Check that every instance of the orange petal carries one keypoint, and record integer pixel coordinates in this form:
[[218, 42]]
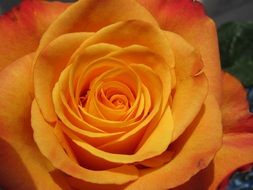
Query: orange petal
[[136, 32], [194, 151], [158, 161], [236, 151], [235, 108], [22, 28], [187, 102], [122, 33], [187, 60], [23, 166], [82, 185], [187, 18], [97, 14], [149, 148], [51, 148], [142, 55], [201, 181], [48, 66]]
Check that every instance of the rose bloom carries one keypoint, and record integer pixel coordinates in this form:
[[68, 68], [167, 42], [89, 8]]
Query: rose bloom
[[117, 94]]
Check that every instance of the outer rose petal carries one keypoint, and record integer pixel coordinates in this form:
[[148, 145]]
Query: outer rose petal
[[187, 18], [22, 28], [237, 147], [236, 151], [22, 165], [235, 108], [92, 15], [194, 151]]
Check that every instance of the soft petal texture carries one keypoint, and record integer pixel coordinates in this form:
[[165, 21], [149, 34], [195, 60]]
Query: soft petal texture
[[188, 19], [21, 29], [52, 60], [22, 165], [235, 107], [51, 148], [194, 148], [158, 161], [82, 185], [192, 85], [187, 102], [92, 15], [235, 152]]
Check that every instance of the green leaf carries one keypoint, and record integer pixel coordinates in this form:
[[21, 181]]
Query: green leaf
[[236, 49]]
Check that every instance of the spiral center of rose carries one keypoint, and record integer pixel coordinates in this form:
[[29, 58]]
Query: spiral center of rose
[[117, 101], [111, 96], [112, 99]]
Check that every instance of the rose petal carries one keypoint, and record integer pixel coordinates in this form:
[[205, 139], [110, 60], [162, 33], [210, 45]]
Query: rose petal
[[48, 66], [86, 68], [51, 148], [235, 152], [155, 129], [82, 185], [235, 108], [195, 150], [202, 180], [149, 148], [187, 102], [142, 55], [121, 34], [22, 28], [187, 18], [22, 164], [96, 14], [158, 161], [191, 88], [188, 61]]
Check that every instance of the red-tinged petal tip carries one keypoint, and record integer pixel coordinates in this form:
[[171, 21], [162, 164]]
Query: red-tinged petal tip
[[188, 19], [23, 26]]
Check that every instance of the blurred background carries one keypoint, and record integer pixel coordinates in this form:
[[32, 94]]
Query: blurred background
[[229, 10], [220, 10]]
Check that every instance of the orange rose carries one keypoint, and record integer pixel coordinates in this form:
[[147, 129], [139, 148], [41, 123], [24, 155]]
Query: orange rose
[[118, 95]]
